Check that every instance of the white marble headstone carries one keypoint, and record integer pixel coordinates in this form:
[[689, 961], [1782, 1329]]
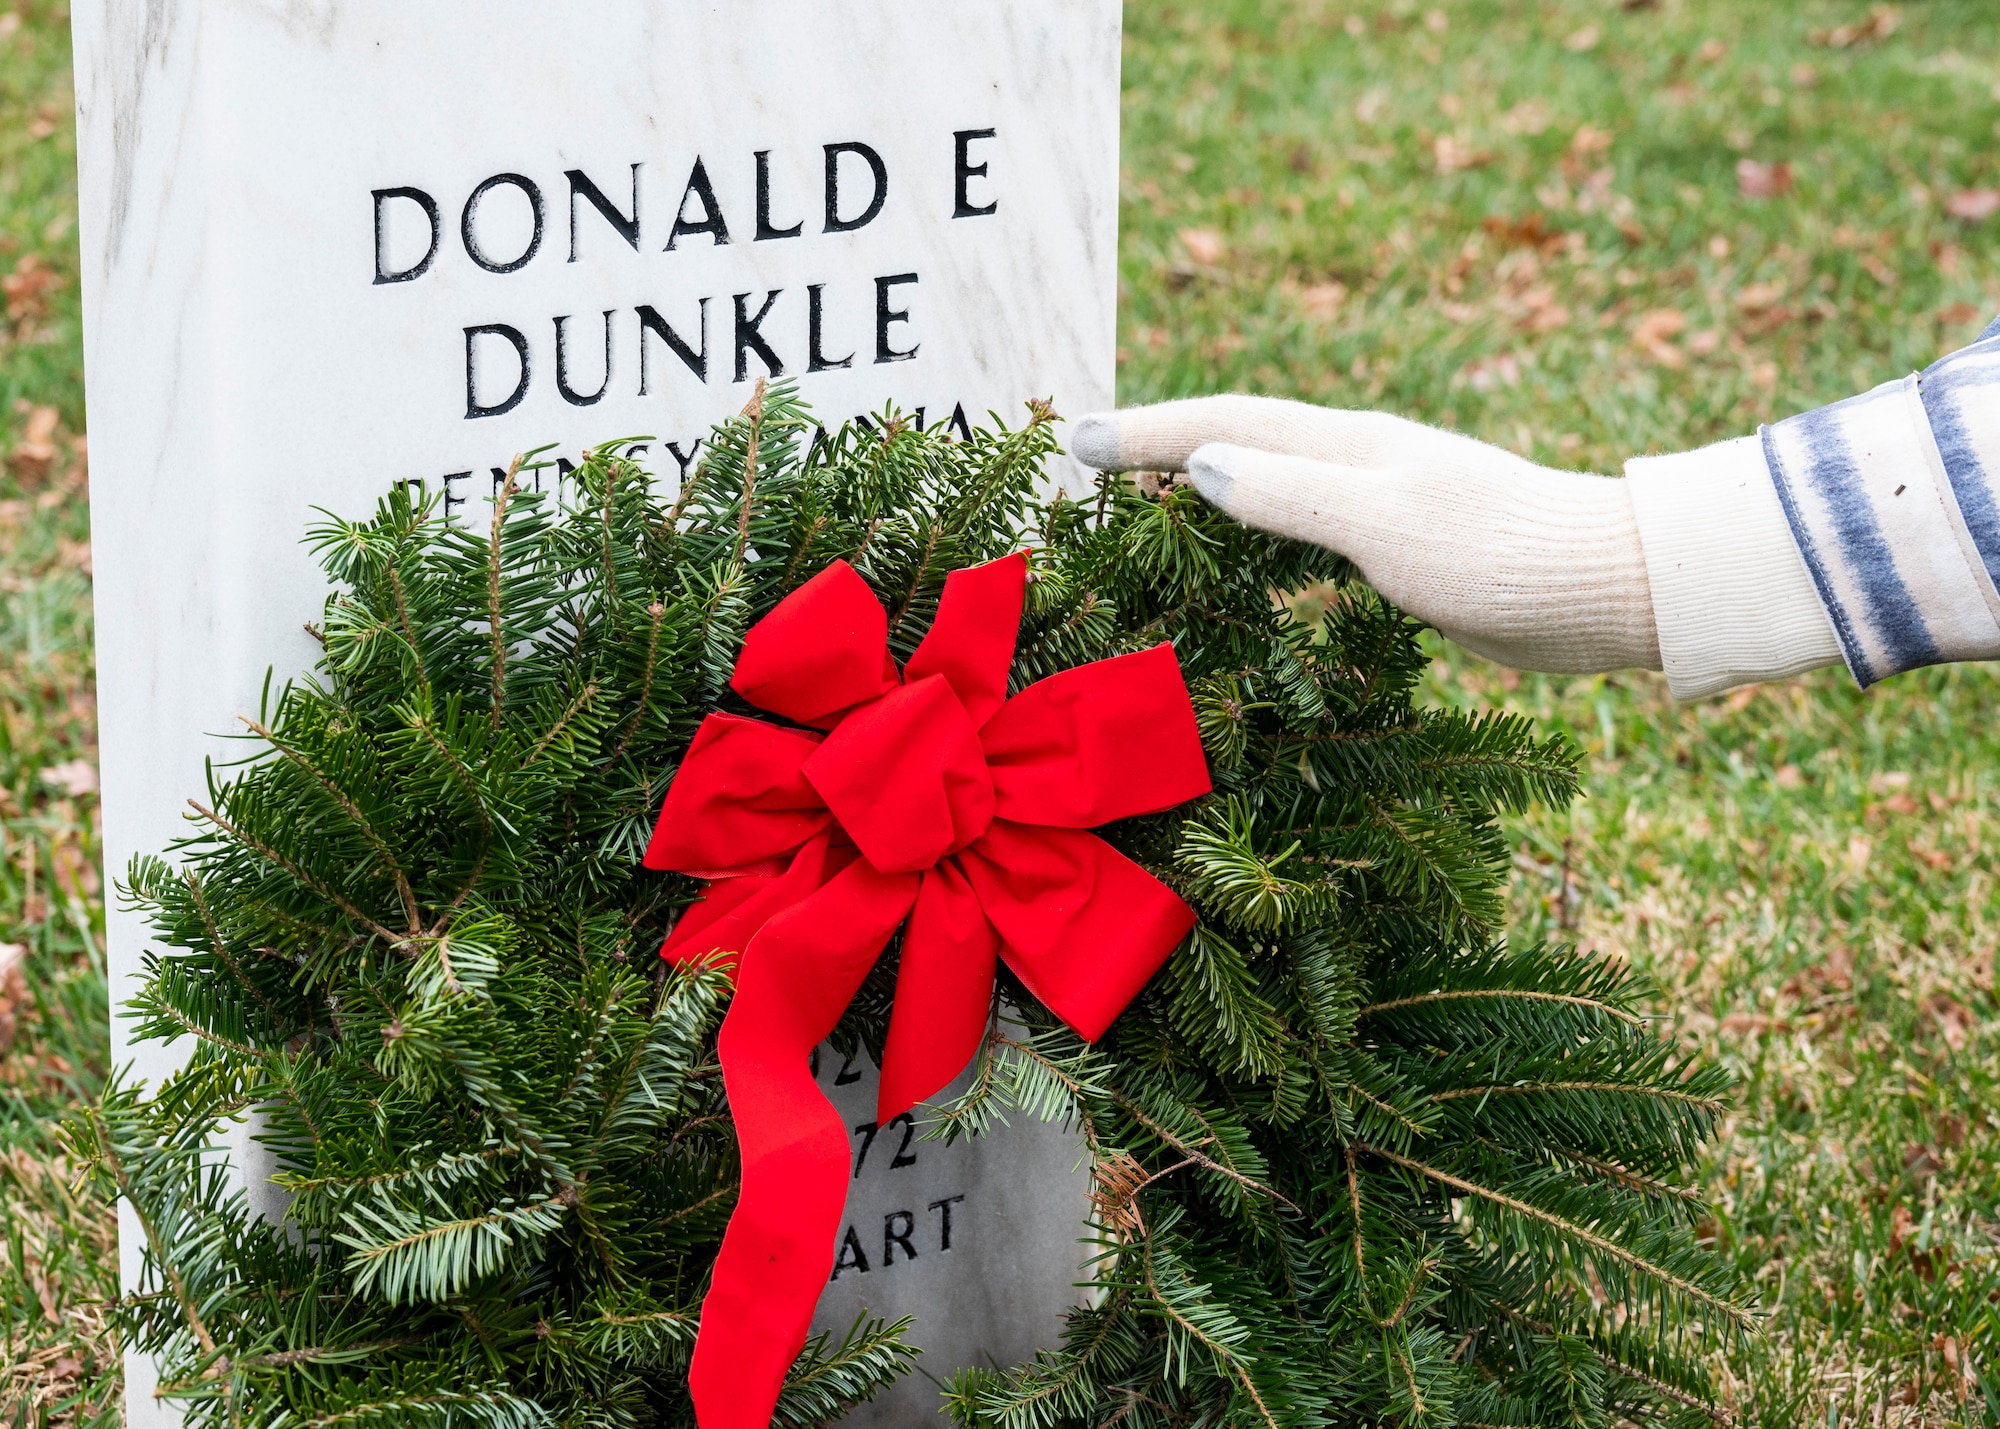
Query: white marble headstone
[[982, 1240], [333, 244]]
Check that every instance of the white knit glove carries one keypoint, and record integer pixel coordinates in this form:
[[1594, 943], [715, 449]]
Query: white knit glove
[[1534, 568]]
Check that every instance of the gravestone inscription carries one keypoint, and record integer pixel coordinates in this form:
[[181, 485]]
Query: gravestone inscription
[[330, 245], [983, 1240]]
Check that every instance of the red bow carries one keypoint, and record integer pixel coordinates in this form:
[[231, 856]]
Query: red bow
[[931, 796]]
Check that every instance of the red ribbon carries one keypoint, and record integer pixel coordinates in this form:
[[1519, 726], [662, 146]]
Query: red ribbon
[[930, 797]]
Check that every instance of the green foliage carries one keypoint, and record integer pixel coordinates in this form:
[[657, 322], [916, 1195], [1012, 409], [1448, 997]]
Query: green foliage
[[1353, 1163]]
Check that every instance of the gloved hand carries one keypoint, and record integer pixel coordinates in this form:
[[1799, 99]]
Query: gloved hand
[[1535, 568]]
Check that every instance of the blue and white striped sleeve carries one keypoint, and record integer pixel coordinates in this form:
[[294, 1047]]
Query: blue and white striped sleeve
[[1890, 503]]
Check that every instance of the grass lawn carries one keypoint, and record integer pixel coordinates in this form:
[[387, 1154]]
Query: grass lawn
[[1579, 228]]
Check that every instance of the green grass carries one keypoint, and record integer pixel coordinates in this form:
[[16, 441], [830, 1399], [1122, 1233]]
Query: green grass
[[1806, 872], [58, 1256]]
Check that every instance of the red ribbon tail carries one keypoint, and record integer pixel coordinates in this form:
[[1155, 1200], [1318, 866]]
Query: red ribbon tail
[[796, 978], [944, 990]]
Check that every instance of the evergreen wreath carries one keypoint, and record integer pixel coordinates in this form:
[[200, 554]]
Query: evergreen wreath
[[1355, 1161]]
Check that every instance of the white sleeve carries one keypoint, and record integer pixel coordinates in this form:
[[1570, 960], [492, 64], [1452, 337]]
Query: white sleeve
[[1732, 598]]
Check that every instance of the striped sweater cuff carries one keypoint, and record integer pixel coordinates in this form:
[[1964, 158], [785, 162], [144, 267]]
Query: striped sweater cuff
[[1881, 516], [1732, 602]]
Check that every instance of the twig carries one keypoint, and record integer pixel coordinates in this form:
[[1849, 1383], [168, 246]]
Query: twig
[[493, 586], [1522, 993], [754, 410]]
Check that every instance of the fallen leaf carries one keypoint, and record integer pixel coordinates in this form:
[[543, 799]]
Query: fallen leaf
[[1584, 39], [1486, 373], [75, 777], [1531, 231], [1804, 76], [1884, 780], [1859, 850], [1530, 116], [1654, 333], [76, 554], [13, 990], [74, 873], [1703, 343], [1756, 179], [1952, 1018], [1881, 23], [1933, 858], [1711, 51], [1204, 245], [1881, 272], [1759, 297], [1436, 21], [1973, 205], [1901, 1224], [35, 449], [27, 290], [1789, 776], [1455, 156], [1322, 301], [1960, 314], [1589, 140]]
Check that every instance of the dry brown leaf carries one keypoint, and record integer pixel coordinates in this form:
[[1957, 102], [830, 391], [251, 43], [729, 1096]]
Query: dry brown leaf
[[1204, 245], [35, 449], [1584, 39], [74, 873], [1654, 333], [1881, 23], [1531, 231], [75, 777], [1321, 302], [1711, 51], [1973, 205], [13, 990], [1938, 861], [27, 290], [1455, 156], [76, 554], [1589, 140], [1789, 776], [1530, 116], [1755, 179], [1486, 373], [1901, 1225], [1759, 297]]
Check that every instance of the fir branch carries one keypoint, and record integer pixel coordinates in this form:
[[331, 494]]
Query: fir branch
[[409, 631], [168, 1266], [1734, 1312], [654, 613], [347, 806], [394, 940]]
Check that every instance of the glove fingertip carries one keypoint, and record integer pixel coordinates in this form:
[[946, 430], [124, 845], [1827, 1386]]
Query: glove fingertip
[[1212, 472], [1094, 441]]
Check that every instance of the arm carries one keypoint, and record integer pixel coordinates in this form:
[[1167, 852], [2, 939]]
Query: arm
[[1867, 531]]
